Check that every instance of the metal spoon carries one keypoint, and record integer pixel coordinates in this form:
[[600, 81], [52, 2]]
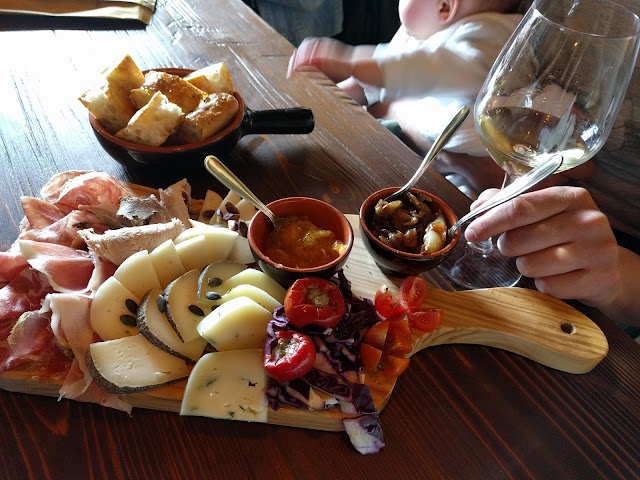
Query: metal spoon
[[219, 170], [440, 142], [519, 185]]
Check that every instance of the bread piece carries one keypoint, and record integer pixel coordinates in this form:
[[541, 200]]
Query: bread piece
[[212, 117], [108, 101], [212, 79], [153, 123], [177, 90]]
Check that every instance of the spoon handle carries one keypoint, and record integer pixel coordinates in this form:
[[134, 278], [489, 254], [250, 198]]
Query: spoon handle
[[519, 185], [229, 180], [438, 145]]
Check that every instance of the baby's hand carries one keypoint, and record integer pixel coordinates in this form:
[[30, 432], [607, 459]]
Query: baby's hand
[[332, 57]]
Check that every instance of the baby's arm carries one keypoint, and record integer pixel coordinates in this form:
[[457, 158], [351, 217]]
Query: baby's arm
[[564, 242], [337, 60]]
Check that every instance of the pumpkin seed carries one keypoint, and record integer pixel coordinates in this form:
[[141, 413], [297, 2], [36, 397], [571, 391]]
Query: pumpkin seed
[[214, 281], [162, 303], [196, 310], [213, 296], [131, 305], [128, 320]]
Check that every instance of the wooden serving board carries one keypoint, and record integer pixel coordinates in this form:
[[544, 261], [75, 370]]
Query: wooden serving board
[[526, 322]]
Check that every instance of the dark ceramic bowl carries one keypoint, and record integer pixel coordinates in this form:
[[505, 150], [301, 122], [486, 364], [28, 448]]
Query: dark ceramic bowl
[[320, 214], [246, 121], [396, 262]]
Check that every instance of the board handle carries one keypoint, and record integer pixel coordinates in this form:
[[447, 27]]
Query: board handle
[[519, 320]]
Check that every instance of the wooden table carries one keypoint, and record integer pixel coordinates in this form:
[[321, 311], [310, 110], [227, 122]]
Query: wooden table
[[458, 412]]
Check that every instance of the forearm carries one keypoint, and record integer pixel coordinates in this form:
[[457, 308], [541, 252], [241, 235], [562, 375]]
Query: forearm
[[625, 307]]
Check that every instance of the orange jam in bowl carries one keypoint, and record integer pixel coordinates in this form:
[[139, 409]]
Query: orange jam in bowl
[[299, 243]]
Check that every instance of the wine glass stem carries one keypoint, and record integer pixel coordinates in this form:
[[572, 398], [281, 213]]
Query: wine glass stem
[[485, 247]]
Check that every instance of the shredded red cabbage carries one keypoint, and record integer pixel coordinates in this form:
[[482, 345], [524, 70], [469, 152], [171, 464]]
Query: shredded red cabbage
[[337, 361]]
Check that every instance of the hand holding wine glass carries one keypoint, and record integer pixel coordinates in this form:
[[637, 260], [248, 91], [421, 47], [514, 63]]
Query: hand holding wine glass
[[556, 87]]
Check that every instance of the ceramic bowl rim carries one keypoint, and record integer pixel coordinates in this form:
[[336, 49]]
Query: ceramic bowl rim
[[382, 193], [309, 270]]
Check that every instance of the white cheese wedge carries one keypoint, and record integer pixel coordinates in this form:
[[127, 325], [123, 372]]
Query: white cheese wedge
[[246, 210], [182, 307], [166, 262], [218, 241], [259, 296], [241, 251], [227, 385], [237, 324], [155, 327], [258, 279], [214, 274], [109, 308], [132, 364], [209, 206], [137, 274]]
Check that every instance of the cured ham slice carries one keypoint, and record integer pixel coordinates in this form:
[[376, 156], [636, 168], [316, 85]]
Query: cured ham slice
[[73, 189], [11, 263], [64, 231], [67, 269], [23, 294], [40, 214], [32, 347], [118, 245], [103, 270]]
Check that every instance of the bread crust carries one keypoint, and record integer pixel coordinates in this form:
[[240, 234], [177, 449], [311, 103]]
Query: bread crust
[[187, 96], [210, 118]]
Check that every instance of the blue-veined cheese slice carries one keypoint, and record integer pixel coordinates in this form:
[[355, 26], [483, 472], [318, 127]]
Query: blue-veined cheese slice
[[228, 385]]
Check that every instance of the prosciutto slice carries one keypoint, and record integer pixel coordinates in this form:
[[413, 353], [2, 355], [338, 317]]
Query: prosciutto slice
[[31, 346], [67, 269], [11, 263], [75, 188], [40, 214], [23, 294], [64, 231]]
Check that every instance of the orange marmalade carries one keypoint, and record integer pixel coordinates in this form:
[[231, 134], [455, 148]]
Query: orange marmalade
[[298, 243]]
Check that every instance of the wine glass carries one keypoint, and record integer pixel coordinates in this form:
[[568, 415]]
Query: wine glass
[[556, 87]]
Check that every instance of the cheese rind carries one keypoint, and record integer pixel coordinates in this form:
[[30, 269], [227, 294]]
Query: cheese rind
[[228, 385]]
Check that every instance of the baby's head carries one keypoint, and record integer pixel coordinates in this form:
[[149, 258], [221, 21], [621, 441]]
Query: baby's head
[[423, 18]]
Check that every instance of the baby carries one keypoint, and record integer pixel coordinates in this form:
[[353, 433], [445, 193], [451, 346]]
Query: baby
[[435, 63]]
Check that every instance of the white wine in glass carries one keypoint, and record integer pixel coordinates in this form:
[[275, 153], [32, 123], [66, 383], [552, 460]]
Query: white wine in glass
[[556, 88]]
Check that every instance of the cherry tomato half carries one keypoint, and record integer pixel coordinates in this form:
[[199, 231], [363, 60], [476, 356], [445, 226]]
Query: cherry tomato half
[[425, 319], [314, 301], [412, 293], [376, 336], [386, 303], [398, 341], [292, 357], [370, 357], [393, 366]]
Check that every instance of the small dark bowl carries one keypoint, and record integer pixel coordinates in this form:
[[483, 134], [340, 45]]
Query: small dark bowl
[[396, 262], [320, 214]]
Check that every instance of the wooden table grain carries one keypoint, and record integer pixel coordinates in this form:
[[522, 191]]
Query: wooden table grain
[[458, 412]]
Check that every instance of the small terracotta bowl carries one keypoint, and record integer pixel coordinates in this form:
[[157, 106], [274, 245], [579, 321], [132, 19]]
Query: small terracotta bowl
[[173, 154], [321, 214], [396, 262]]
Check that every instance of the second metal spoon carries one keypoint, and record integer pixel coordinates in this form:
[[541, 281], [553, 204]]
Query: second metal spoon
[[225, 176], [519, 185], [440, 142]]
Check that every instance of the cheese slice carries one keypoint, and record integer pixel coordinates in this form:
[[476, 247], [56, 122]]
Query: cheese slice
[[228, 385], [132, 364], [237, 324], [166, 262], [110, 315], [137, 274], [258, 279]]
